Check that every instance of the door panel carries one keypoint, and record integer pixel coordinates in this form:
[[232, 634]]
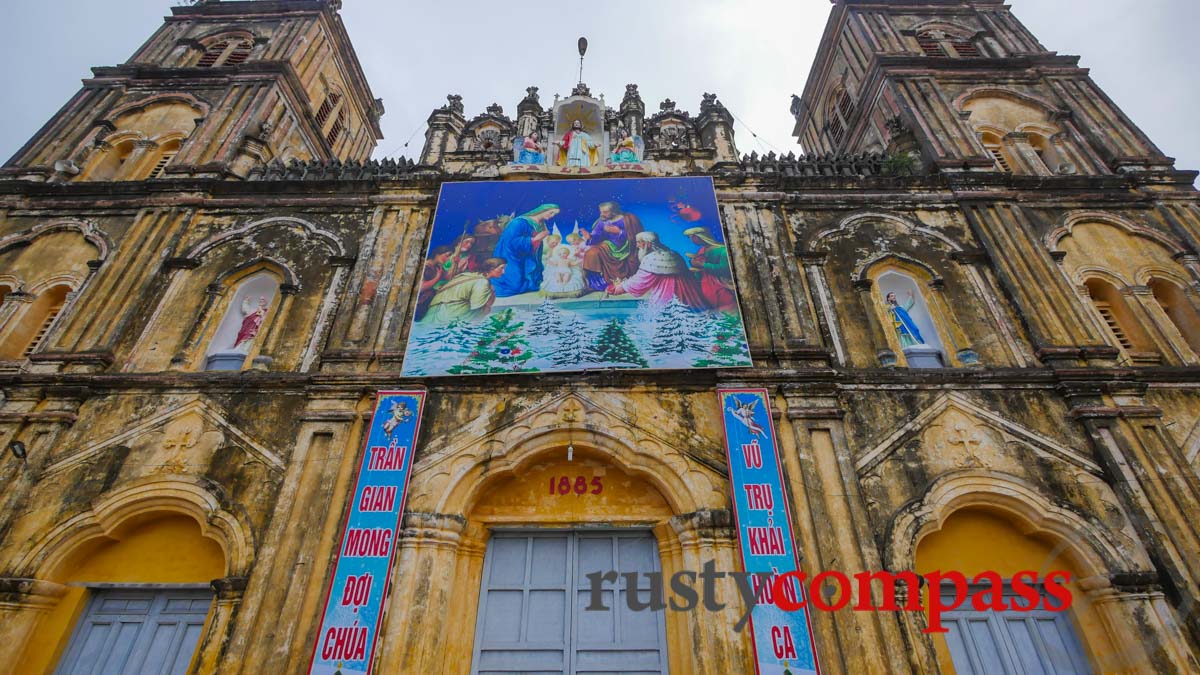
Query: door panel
[[1038, 642], [532, 616], [127, 632]]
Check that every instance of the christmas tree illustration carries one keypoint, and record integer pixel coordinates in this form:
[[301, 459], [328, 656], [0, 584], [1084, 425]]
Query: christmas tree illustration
[[678, 329], [547, 320], [501, 348], [729, 344], [613, 345], [432, 347], [573, 350]]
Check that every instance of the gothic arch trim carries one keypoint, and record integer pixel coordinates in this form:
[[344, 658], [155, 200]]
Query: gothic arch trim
[[174, 97], [260, 264], [1088, 545], [850, 222], [864, 269], [979, 92], [1088, 272], [1148, 273], [956, 30], [170, 494], [71, 281], [94, 235], [226, 32], [331, 241], [1055, 236], [465, 488]]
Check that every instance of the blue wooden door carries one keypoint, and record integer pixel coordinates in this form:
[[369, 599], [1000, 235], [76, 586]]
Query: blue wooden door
[[136, 631], [1038, 642], [532, 600]]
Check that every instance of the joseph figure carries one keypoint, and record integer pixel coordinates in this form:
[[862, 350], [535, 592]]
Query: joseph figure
[[611, 255]]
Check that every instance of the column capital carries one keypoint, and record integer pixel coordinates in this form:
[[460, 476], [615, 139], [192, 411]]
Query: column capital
[[33, 593], [229, 588]]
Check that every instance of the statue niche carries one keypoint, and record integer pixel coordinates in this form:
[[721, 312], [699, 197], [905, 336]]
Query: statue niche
[[579, 136]]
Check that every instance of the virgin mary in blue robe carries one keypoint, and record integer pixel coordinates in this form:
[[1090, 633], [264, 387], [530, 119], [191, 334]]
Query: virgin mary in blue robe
[[517, 245]]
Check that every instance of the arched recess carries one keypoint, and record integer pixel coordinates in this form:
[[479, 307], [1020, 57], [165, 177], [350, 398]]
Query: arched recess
[[54, 263], [132, 142], [918, 325], [197, 293], [1111, 261], [154, 532], [249, 303], [853, 222], [330, 241], [457, 500], [1025, 134], [965, 514]]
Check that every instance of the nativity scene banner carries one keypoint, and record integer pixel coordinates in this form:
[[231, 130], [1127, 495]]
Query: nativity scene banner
[[570, 275]]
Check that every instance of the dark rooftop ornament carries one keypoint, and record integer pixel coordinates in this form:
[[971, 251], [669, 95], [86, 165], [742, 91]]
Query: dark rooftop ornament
[[582, 51]]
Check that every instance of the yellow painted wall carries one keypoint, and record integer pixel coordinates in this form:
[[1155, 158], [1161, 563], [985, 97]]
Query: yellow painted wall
[[972, 541], [167, 550]]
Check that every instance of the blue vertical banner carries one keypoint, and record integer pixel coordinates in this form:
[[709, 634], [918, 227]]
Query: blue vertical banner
[[783, 641], [354, 604]]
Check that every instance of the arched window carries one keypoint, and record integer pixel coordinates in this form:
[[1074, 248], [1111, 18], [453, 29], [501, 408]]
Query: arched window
[[907, 314], [112, 164], [931, 43], [995, 148], [32, 325], [939, 43], [965, 48], [839, 114], [228, 51], [1117, 317], [166, 152], [245, 318], [331, 117], [1179, 309]]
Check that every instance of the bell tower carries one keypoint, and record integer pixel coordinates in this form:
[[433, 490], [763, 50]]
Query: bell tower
[[221, 88], [972, 85]]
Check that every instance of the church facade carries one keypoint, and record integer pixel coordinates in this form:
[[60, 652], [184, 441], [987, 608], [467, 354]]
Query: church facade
[[971, 306]]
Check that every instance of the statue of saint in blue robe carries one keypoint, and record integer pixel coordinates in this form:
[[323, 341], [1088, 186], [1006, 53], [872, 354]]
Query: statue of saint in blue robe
[[523, 273], [903, 322]]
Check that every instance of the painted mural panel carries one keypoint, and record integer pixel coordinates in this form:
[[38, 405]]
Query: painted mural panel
[[568, 275]]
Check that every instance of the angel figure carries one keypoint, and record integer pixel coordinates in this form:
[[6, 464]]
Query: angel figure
[[400, 415], [744, 412]]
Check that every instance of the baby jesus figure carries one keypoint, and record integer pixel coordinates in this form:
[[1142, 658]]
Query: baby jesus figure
[[563, 277]]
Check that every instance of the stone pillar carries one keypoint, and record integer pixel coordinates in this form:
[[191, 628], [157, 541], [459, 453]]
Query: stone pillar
[[419, 634], [279, 322], [183, 357], [717, 649], [228, 592], [1125, 601], [446, 125], [814, 264], [944, 319], [1020, 148], [1158, 325], [278, 627], [715, 124], [825, 489], [883, 349], [1129, 441], [633, 110], [23, 603]]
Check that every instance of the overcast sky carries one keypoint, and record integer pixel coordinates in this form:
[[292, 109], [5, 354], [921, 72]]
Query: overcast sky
[[753, 53]]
